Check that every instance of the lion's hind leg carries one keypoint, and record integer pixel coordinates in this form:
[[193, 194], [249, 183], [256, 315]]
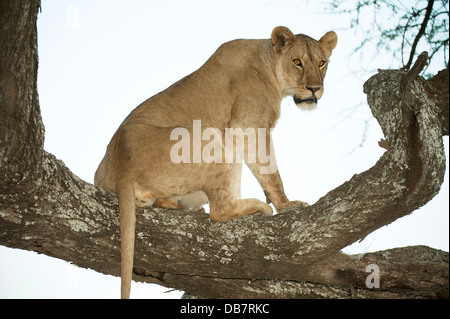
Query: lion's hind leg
[[224, 207], [191, 201], [167, 202]]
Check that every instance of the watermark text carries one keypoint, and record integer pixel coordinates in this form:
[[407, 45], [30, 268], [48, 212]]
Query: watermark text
[[229, 146]]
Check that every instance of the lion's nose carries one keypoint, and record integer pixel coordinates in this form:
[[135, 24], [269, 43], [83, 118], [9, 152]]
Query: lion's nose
[[313, 89]]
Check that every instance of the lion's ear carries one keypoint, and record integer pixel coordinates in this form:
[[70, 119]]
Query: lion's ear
[[328, 42], [281, 37]]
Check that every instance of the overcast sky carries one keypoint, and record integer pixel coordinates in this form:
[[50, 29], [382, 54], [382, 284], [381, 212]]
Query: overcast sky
[[98, 60]]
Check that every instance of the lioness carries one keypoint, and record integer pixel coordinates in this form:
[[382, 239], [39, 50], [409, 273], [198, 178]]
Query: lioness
[[240, 86]]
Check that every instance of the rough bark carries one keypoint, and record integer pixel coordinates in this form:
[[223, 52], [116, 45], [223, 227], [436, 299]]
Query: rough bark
[[45, 208], [20, 115]]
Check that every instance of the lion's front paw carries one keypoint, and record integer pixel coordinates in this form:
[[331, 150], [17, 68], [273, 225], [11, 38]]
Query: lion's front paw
[[291, 205]]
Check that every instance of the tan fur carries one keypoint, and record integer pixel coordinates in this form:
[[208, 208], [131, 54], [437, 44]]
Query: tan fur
[[240, 86]]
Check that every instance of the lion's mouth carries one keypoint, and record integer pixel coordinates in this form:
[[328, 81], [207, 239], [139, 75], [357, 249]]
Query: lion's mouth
[[311, 99]]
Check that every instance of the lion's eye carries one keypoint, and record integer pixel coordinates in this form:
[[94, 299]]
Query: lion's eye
[[322, 63], [297, 62]]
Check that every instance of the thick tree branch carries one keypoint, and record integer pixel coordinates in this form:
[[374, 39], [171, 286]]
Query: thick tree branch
[[294, 254], [20, 116], [437, 89]]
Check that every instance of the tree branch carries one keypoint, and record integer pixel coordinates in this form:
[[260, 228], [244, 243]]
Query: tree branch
[[20, 115], [421, 32]]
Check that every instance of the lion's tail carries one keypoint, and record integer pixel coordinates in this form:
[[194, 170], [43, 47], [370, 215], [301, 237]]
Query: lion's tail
[[127, 210]]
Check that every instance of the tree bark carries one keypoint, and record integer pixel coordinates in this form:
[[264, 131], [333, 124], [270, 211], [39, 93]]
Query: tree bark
[[20, 115], [45, 208]]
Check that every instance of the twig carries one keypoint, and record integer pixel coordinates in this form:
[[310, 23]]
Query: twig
[[408, 77], [421, 62], [420, 34]]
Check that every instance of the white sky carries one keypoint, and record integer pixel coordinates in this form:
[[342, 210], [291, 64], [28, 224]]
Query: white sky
[[98, 60]]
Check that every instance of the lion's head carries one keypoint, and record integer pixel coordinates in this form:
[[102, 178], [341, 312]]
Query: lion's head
[[302, 64]]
